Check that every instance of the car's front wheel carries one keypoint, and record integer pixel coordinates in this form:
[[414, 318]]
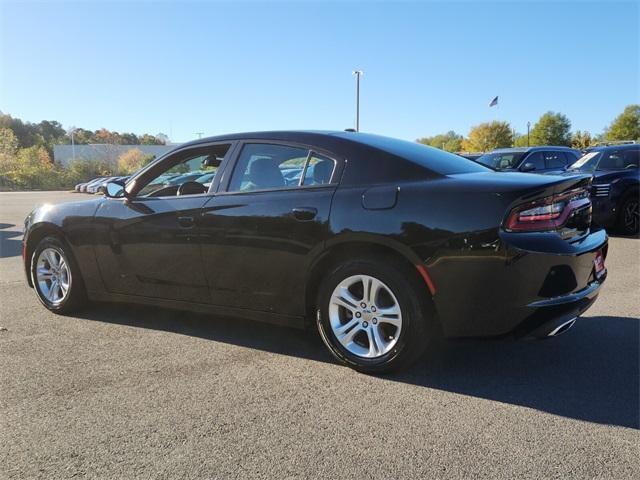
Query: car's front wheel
[[629, 220], [55, 276], [371, 316]]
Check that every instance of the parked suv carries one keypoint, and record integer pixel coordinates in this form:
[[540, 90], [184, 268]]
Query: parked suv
[[530, 159], [614, 191]]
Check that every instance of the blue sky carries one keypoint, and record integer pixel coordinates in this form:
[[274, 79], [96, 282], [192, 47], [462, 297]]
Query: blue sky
[[213, 67]]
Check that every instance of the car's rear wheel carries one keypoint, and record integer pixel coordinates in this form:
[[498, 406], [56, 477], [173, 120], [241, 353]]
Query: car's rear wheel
[[371, 316], [629, 219], [56, 278]]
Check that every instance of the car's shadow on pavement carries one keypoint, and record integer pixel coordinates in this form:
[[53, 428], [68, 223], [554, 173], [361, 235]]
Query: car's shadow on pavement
[[591, 373], [10, 241]]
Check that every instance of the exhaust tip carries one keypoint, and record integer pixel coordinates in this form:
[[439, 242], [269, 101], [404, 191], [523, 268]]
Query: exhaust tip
[[563, 327]]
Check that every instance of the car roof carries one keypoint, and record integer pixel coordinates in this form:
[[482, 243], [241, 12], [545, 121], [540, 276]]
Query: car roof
[[625, 146], [531, 149], [396, 159]]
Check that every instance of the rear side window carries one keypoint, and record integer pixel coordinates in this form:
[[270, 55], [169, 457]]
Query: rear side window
[[274, 167], [555, 159]]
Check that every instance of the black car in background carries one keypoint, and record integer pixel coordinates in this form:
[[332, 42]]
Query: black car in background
[[615, 189], [545, 159], [382, 244]]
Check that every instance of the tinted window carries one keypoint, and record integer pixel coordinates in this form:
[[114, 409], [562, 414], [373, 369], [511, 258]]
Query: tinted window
[[319, 170], [436, 160], [631, 157], [618, 159], [555, 159], [537, 159], [501, 160], [267, 167], [195, 165]]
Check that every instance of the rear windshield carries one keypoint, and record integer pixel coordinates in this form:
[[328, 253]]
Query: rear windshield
[[439, 161]]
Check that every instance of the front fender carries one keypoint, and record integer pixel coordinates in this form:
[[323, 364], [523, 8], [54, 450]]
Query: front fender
[[74, 224]]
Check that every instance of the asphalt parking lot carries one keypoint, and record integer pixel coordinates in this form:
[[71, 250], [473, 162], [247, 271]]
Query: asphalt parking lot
[[124, 392]]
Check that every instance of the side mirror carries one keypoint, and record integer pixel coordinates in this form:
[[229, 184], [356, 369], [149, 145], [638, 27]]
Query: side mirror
[[115, 189], [528, 167]]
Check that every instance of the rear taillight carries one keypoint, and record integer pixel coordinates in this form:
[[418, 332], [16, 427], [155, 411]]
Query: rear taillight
[[549, 213]]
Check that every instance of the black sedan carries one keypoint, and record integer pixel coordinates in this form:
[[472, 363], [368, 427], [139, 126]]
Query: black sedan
[[385, 246]]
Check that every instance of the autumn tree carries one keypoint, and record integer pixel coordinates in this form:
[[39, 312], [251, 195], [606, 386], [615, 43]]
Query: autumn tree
[[147, 139], [33, 168], [551, 129], [581, 140], [8, 150], [488, 136], [626, 126], [132, 161]]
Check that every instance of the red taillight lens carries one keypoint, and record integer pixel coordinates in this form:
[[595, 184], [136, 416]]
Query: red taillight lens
[[547, 213]]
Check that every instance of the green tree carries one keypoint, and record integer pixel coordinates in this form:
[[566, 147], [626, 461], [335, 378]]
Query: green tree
[[521, 140], [487, 136], [581, 140], [450, 141], [626, 126], [551, 129]]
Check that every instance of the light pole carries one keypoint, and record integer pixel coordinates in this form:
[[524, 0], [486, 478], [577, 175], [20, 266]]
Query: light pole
[[528, 128], [71, 132], [199, 134], [357, 73]]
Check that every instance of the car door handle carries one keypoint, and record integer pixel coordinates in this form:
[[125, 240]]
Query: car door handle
[[186, 222], [304, 214]]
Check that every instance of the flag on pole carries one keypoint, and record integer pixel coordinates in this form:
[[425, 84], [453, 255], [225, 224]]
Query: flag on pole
[[493, 102]]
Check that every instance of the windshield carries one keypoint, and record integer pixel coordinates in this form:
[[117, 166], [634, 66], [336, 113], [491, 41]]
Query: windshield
[[607, 160], [586, 163], [501, 160]]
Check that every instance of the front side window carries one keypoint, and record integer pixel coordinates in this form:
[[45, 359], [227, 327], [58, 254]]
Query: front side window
[[189, 172], [536, 160], [619, 160], [271, 167], [501, 160]]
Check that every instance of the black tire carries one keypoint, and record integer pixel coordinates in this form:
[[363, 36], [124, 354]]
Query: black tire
[[418, 322], [75, 296], [628, 220]]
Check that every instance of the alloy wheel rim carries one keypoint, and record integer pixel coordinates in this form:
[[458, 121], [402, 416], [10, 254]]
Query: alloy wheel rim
[[53, 275], [365, 316], [631, 216]]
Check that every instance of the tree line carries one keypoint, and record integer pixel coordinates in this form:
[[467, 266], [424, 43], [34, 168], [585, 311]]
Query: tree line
[[26, 154], [551, 129], [48, 133]]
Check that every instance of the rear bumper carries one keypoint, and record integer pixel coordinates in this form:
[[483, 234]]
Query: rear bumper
[[552, 316], [528, 284], [604, 212]]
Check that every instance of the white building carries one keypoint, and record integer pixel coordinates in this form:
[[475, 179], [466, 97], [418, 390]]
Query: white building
[[64, 154]]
